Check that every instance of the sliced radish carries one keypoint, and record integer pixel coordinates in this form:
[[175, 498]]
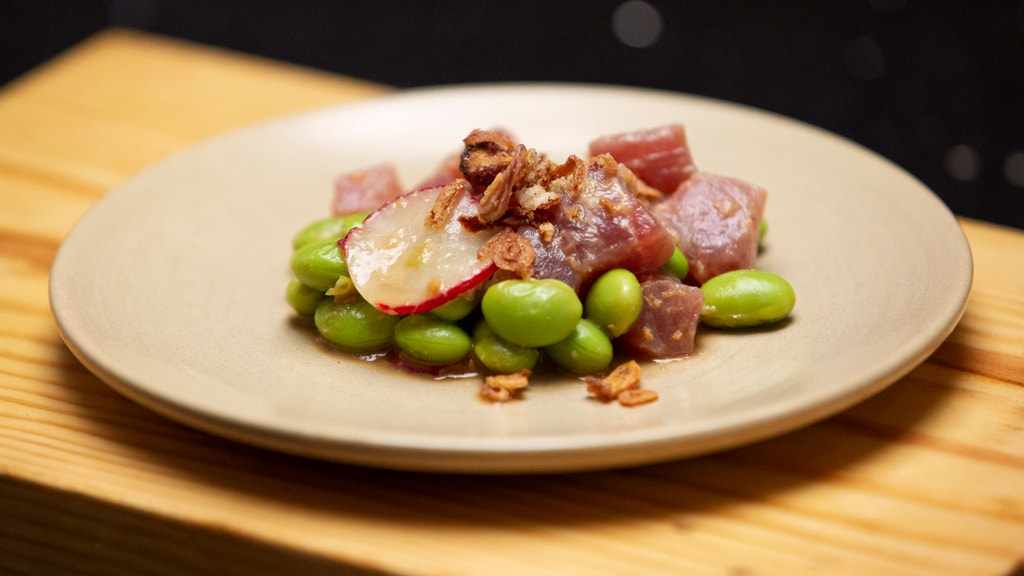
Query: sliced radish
[[401, 266]]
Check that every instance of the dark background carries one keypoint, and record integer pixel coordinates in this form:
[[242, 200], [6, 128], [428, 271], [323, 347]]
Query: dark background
[[937, 86]]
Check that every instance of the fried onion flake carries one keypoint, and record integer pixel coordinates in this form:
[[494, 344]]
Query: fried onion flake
[[622, 384], [444, 206], [499, 388], [511, 252]]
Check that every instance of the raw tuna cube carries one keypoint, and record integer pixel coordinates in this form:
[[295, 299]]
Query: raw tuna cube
[[658, 156], [668, 321], [716, 220], [599, 224], [365, 190]]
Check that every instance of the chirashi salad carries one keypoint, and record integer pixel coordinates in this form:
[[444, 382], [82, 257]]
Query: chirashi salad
[[506, 262]]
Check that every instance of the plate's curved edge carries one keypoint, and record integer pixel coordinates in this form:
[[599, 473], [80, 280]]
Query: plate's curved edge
[[745, 431], [489, 461], [513, 461]]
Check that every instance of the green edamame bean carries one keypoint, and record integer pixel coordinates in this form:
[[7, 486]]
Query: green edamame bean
[[586, 350], [742, 298], [763, 230], [318, 265], [431, 340], [531, 312], [302, 298], [499, 355], [678, 265], [456, 309], [614, 301], [355, 325], [334, 228]]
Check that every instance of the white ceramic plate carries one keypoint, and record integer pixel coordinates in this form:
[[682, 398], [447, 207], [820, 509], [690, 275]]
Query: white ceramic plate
[[171, 288]]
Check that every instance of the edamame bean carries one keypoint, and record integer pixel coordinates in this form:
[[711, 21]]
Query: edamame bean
[[355, 325], [499, 355], [614, 301], [302, 298], [318, 265], [456, 309], [333, 228], [742, 298], [678, 265], [586, 350], [531, 312], [431, 340]]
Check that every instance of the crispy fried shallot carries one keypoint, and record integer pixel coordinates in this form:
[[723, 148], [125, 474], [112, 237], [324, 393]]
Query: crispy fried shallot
[[445, 204], [495, 200], [620, 384], [508, 177], [504, 387], [486, 154], [637, 396], [511, 252]]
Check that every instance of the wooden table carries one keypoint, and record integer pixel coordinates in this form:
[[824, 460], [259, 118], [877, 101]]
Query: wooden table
[[925, 478]]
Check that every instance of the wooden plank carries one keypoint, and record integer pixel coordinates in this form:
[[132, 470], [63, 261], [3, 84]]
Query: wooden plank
[[924, 478]]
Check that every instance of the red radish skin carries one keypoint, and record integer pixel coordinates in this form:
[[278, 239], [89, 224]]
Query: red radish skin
[[403, 267]]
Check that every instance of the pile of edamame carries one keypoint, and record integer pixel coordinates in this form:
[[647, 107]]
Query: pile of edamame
[[514, 323]]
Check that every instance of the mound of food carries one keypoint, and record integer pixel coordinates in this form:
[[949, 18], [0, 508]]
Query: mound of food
[[505, 262]]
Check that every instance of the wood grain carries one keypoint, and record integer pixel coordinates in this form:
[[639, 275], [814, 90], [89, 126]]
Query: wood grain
[[925, 478]]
